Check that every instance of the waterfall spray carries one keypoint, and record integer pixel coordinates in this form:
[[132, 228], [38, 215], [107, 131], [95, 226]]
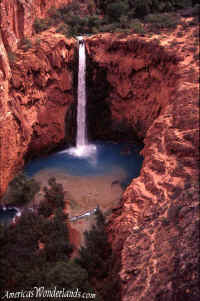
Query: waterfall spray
[[83, 148], [81, 138]]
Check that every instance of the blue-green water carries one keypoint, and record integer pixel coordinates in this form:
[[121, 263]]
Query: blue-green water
[[101, 161], [87, 174]]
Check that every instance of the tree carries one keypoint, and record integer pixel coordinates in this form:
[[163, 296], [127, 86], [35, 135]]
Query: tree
[[20, 252], [45, 208], [97, 248], [22, 189], [62, 274], [55, 237], [19, 247], [54, 194], [67, 274], [116, 10]]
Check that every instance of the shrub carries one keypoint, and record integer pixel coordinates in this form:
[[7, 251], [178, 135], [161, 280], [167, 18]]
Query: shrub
[[195, 12], [159, 21], [45, 209], [73, 7], [142, 8], [67, 274], [97, 248], [124, 21], [109, 27], [75, 20], [11, 57], [55, 236], [118, 16], [22, 242], [54, 194], [137, 27], [91, 7], [41, 25], [181, 3], [116, 10], [64, 29], [22, 189], [37, 42], [26, 44], [55, 13], [93, 21], [94, 30]]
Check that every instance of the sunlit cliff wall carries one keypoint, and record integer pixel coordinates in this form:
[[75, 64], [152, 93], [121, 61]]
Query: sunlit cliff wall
[[152, 91]]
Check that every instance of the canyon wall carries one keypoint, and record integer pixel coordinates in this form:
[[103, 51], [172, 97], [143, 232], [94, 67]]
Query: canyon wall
[[34, 84], [137, 88], [17, 18], [130, 84], [36, 97], [151, 90]]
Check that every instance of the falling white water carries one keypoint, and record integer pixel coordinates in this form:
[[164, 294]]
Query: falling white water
[[81, 138], [82, 149]]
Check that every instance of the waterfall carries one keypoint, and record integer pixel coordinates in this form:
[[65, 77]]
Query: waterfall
[[81, 138], [83, 148]]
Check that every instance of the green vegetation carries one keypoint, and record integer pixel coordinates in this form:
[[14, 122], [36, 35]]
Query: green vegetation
[[53, 198], [32, 251], [21, 190], [36, 251], [96, 257], [25, 44], [137, 26], [11, 57], [96, 254], [41, 25], [54, 194], [67, 274], [159, 21], [116, 10], [114, 16], [141, 8]]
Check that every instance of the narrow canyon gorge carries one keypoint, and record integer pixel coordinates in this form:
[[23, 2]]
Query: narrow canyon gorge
[[141, 89]]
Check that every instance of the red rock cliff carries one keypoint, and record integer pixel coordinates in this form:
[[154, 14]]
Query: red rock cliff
[[141, 77], [155, 230], [39, 84], [34, 98], [17, 18]]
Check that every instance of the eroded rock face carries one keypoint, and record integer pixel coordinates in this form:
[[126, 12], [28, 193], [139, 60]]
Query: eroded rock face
[[155, 230], [130, 84], [33, 93], [35, 100], [146, 91], [17, 18]]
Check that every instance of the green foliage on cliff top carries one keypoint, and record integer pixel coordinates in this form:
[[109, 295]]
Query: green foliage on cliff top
[[113, 16], [140, 8], [159, 21]]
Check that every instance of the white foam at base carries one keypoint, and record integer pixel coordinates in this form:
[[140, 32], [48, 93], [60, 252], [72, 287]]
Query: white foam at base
[[82, 151]]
